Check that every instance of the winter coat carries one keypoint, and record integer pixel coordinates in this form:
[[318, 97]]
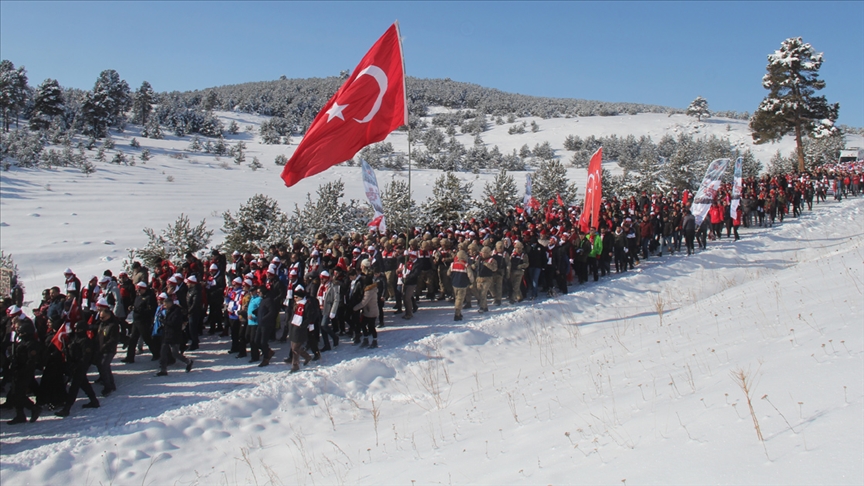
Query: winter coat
[[331, 301], [252, 310], [268, 311], [194, 302], [536, 256], [688, 224], [716, 214], [144, 309], [369, 304], [111, 292], [141, 274], [79, 353], [172, 326], [596, 247], [461, 274], [109, 334], [299, 332], [561, 259]]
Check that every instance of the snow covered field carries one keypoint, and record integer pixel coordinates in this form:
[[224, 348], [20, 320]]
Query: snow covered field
[[625, 381]]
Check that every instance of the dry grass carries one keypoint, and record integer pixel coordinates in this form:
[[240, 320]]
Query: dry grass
[[745, 382]]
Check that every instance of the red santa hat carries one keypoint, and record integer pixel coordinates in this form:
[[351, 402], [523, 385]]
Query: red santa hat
[[142, 285], [192, 278], [103, 303], [13, 311]]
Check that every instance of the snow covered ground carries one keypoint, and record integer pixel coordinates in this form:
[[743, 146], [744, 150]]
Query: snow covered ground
[[624, 381]]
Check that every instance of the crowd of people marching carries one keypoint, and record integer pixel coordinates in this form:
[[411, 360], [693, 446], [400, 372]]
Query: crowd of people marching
[[315, 294]]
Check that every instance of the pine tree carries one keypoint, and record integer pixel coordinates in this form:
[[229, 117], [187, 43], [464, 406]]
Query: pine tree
[[328, 214], [255, 164], [780, 165], [152, 129], [698, 108], [450, 199], [682, 169], [281, 160], [544, 151], [550, 180], [750, 167], [47, 104], [195, 144], [505, 193], [257, 224], [791, 104], [142, 104], [823, 150], [106, 104], [233, 128], [174, 242], [13, 91], [400, 210], [572, 143]]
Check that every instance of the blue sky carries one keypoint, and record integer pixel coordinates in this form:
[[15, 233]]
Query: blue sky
[[664, 53]]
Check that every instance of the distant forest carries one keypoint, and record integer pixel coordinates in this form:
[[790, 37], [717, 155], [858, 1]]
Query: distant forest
[[299, 100]]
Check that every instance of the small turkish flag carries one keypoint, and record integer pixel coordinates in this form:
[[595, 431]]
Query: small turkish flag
[[369, 106], [492, 198]]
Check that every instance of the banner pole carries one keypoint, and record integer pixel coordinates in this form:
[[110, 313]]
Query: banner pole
[[407, 120]]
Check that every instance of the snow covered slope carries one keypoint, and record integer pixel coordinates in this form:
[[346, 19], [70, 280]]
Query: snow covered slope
[[628, 380]]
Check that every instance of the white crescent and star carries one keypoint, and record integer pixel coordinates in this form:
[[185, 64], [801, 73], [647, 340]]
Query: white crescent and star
[[335, 111]]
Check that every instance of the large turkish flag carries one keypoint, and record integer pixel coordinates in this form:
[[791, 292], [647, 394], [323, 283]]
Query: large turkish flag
[[369, 106], [593, 193]]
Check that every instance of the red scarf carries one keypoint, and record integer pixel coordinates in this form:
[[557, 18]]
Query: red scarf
[[298, 312]]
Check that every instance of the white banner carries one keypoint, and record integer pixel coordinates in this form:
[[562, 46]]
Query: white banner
[[370, 184], [708, 189], [737, 187]]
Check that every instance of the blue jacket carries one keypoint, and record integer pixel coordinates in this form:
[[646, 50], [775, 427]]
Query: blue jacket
[[252, 311]]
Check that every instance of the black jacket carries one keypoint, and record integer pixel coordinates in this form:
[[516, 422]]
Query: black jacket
[[144, 309], [172, 332]]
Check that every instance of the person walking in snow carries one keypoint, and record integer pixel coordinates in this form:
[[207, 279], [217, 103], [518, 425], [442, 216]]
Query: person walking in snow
[[79, 351], [461, 276], [329, 298], [368, 307], [306, 312], [26, 355], [143, 311], [688, 227], [108, 334], [172, 335]]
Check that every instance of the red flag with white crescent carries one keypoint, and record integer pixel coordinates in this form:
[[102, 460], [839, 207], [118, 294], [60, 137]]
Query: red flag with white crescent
[[593, 193], [369, 106], [61, 336]]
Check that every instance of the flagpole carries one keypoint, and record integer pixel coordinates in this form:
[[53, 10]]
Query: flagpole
[[405, 93]]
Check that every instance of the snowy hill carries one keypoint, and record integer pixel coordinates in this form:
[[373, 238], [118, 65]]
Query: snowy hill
[[624, 381]]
